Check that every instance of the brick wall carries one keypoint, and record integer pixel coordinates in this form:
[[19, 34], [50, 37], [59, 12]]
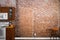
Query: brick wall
[[8, 3], [34, 16]]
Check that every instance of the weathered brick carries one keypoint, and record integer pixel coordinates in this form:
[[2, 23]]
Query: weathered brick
[[34, 16], [37, 16]]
